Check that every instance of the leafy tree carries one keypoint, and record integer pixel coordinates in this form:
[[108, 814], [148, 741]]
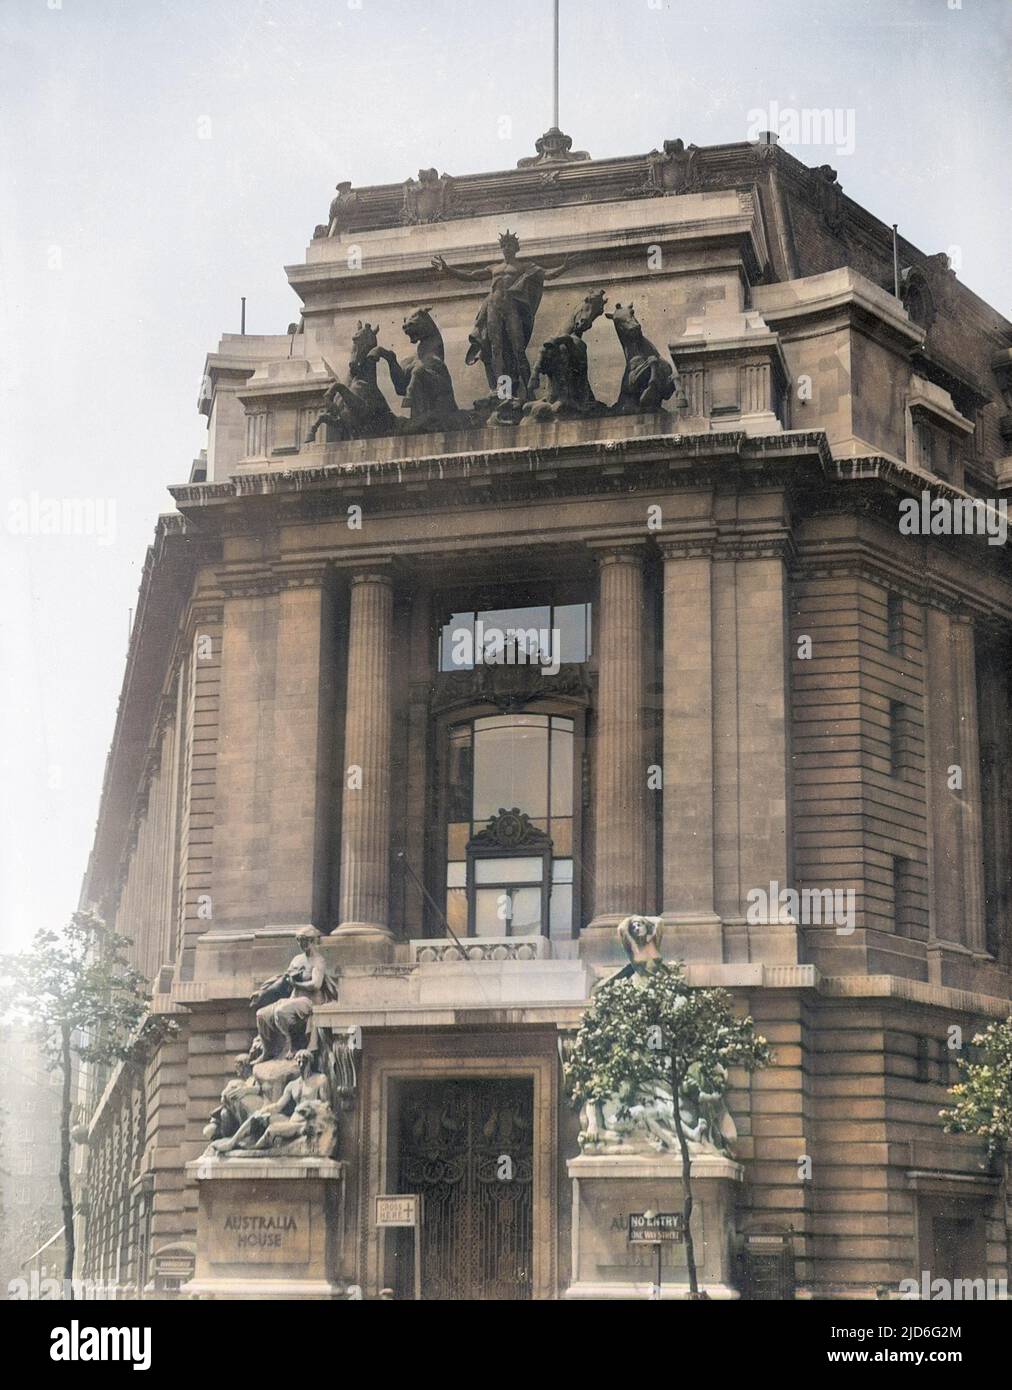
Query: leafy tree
[[983, 1099], [81, 996], [652, 1027]]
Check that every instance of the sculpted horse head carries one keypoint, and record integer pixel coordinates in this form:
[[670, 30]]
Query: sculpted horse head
[[592, 308], [363, 340]]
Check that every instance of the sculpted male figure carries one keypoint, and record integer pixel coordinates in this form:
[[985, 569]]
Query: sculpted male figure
[[284, 1005], [240, 1099], [505, 319], [303, 1117]]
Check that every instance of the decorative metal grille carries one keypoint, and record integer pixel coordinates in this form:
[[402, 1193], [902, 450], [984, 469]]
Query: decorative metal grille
[[467, 1146]]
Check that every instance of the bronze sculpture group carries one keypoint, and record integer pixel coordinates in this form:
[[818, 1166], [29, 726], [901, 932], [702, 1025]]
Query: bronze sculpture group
[[559, 384]]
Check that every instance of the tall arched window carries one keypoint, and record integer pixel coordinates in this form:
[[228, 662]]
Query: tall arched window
[[509, 825]]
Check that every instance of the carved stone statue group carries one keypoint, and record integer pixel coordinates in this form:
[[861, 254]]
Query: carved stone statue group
[[643, 1118], [559, 384], [284, 1096]]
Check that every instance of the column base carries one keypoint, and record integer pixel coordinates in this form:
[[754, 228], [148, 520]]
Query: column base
[[375, 931], [606, 922]]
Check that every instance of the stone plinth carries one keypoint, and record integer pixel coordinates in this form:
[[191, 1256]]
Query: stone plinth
[[608, 1187], [268, 1228]]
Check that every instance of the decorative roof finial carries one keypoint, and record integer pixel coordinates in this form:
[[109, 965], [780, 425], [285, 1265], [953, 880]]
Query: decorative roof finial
[[553, 147]]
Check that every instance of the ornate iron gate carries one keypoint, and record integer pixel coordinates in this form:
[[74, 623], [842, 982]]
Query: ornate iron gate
[[467, 1146]]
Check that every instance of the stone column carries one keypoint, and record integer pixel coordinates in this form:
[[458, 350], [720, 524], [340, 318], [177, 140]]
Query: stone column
[[688, 763], [365, 820], [941, 742], [995, 796], [620, 829], [762, 738], [295, 891], [971, 839]]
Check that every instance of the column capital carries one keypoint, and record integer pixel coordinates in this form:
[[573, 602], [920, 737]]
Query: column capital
[[372, 574], [619, 550]]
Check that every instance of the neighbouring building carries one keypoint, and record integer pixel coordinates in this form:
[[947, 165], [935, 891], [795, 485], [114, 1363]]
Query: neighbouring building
[[31, 1218], [738, 675]]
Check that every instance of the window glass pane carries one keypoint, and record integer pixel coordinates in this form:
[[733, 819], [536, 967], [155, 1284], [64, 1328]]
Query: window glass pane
[[456, 910], [526, 912], [456, 875], [457, 836], [561, 910], [562, 871], [510, 766], [572, 621], [458, 791], [489, 916], [520, 632], [456, 648], [562, 835], [562, 770], [512, 870]]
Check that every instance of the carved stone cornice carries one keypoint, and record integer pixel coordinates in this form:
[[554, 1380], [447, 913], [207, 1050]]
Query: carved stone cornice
[[776, 546], [929, 591], [505, 470], [254, 581], [688, 545], [203, 613]]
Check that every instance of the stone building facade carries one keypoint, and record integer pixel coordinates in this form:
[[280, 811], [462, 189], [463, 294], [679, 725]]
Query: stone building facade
[[760, 682]]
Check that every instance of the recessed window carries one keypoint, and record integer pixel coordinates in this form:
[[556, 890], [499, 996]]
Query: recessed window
[[895, 634], [901, 762], [925, 437], [509, 832]]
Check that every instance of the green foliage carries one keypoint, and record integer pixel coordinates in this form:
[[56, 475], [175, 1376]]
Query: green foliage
[[77, 982], [983, 1099], [652, 1027]]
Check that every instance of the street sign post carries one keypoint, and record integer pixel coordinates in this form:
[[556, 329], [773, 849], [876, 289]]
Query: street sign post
[[656, 1228], [394, 1211]]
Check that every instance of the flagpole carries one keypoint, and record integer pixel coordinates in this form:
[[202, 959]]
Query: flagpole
[[555, 71]]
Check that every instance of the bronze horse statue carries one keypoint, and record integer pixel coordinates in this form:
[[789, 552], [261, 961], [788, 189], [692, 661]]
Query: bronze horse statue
[[562, 364], [648, 380], [358, 409]]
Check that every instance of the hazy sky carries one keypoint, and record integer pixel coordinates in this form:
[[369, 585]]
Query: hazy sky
[[161, 158]]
